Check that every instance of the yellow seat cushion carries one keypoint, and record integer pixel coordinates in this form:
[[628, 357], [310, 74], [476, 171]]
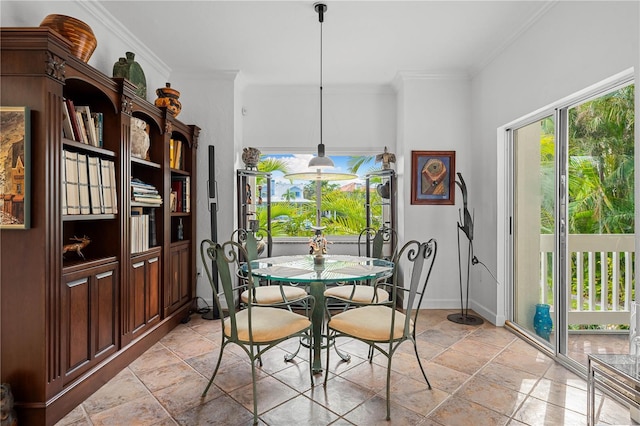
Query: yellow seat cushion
[[268, 324], [357, 293], [371, 322], [270, 294]]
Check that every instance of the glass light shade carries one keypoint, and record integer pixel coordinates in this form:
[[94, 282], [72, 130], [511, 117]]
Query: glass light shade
[[320, 162]]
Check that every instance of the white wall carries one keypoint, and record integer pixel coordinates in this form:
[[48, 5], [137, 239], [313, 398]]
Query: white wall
[[572, 46], [356, 119], [434, 115], [211, 101]]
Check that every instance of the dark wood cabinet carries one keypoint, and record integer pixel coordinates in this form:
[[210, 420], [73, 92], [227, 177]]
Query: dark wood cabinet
[[70, 322], [178, 292], [89, 316], [145, 290]]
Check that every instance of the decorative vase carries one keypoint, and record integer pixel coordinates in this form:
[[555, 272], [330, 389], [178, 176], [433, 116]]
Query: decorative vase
[[83, 41], [383, 190], [131, 70], [542, 322], [168, 97], [251, 158], [139, 138]]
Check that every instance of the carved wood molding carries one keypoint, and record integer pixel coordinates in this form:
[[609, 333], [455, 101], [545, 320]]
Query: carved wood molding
[[55, 67], [196, 133], [168, 127], [127, 105]]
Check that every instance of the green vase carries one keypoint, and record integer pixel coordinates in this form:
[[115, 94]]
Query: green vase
[[131, 70]]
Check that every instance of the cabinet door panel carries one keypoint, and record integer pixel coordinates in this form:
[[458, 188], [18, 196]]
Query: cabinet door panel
[[138, 284], [183, 289], [154, 289], [106, 311], [78, 313]]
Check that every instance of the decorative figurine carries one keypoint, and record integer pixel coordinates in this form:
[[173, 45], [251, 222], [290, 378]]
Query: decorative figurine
[[387, 158], [251, 158], [248, 190], [79, 244], [318, 245]]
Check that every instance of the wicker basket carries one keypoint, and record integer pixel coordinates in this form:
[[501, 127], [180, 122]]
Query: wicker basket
[[77, 32]]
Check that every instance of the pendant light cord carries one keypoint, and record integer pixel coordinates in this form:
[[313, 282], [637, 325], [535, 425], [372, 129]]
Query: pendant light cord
[[321, 19]]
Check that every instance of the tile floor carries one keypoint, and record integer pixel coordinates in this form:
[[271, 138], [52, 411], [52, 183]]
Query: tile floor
[[481, 375]]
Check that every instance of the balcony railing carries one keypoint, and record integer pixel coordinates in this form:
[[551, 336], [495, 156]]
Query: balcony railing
[[601, 270]]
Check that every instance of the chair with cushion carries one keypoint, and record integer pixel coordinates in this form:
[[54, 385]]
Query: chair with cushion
[[254, 328], [371, 242], [254, 244], [381, 325]]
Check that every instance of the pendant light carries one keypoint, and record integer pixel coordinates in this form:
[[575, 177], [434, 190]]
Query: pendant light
[[320, 161]]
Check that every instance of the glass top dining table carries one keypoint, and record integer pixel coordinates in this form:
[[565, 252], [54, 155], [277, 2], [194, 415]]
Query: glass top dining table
[[333, 269]]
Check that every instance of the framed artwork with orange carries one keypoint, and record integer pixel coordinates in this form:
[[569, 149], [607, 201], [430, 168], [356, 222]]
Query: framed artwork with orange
[[433, 177]]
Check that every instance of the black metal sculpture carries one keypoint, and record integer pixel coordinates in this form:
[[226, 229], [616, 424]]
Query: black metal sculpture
[[465, 224]]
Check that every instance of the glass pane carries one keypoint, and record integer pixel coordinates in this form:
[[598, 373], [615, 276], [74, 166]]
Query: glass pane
[[601, 223], [534, 226]]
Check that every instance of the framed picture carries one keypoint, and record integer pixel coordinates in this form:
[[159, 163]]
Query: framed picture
[[433, 176], [15, 167]]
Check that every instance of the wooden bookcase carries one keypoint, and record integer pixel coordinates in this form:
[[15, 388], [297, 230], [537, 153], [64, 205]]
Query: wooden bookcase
[[69, 324]]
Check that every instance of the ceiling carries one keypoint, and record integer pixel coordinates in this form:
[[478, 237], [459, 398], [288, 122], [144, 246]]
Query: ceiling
[[278, 42]]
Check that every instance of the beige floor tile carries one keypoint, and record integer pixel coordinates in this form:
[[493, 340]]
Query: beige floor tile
[[535, 411], [460, 361], [459, 412], [119, 390], [299, 411], [222, 411], [491, 395], [340, 395], [374, 412], [141, 411], [270, 393], [509, 377]]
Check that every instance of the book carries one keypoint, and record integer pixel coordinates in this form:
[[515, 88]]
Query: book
[[172, 147], [74, 120], [95, 190], [114, 187], [83, 131], [176, 186], [83, 184], [182, 186], [73, 194], [63, 174], [67, 128], [98, 119], [105, 178], [89, 125], [177, 161]]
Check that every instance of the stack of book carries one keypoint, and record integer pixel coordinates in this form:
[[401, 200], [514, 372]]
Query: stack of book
[[144, 194], [88, 184], [140, 230], [181, 194], [80, 124]]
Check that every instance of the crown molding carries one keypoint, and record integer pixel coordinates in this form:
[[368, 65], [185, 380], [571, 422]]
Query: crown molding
[[118, 30]]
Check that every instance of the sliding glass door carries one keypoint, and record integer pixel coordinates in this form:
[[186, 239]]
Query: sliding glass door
[[572, 225]]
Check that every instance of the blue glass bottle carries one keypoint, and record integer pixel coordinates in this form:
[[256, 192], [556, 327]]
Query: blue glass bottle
[[542, 322]]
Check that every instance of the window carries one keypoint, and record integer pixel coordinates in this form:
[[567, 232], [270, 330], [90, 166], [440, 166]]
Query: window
[[294, 204]]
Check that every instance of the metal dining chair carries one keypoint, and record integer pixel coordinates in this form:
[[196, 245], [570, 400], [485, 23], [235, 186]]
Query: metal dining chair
[[381, 325], [254, 328], [371, 241], [256, 242]]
